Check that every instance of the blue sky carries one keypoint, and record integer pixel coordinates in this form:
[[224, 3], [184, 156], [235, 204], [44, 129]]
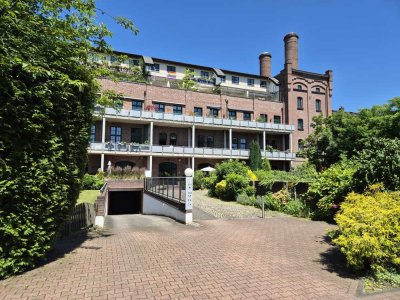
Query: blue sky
[[358, 39]]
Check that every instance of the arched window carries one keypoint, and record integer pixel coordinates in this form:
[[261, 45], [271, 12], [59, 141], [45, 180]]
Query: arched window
[[210, 141], [167, 169], [299, 103], [172, 139], [300, 145], [162, 138], [300, 124], [318, 105]]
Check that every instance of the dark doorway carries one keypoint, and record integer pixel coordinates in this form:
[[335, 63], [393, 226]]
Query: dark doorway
[[127, 202]]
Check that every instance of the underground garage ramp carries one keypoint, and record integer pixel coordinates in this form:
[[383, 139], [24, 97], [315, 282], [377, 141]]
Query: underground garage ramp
[[126, 202]]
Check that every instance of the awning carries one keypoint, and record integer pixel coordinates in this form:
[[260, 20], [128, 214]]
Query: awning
[[219, 72], [148, 60]]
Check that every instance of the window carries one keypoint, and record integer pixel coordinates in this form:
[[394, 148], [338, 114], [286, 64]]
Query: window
[[159, 107], [210, 141], [133, 62], [318, 90], [246, 116], [300, 103], [318, 105], [204, 74], [222, 79], [171, 69], [234, 143], [300, 125], [154, 68], [137, 105], [167, 169], [250, 82], [263, 83], [113, 59], [263, 118], [200, 141], [115, 134], [162, 138], [198, 111], [93, 133], [172, 139], [277, 119], [243, 143], [299, 87], [232, 114], [136, 135], [300, 145], [235, 80], [214, 112], [178, 109]]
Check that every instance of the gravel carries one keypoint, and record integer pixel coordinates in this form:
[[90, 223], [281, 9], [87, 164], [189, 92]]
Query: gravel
[[225, 209]]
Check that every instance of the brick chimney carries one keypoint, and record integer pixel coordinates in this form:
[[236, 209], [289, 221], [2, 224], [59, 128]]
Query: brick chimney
[[291, 51], [265, 64]]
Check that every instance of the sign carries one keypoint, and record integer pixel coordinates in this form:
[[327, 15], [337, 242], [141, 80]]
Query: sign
[[189, 193]]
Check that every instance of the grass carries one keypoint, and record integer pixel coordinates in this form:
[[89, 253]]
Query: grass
[[88, 196]]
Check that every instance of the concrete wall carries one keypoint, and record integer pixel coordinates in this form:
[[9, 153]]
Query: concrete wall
[[153, 206]]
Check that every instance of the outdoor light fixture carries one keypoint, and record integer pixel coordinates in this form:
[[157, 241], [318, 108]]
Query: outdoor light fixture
[[188, 172]]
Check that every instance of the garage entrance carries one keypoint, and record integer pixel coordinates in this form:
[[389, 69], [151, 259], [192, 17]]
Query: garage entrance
[[124, 202]]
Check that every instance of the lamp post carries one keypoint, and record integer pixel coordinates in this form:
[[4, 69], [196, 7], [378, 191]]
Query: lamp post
[[189, 189]]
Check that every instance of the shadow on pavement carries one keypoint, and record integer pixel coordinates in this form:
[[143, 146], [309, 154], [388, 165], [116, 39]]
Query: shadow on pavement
[[335, 261]]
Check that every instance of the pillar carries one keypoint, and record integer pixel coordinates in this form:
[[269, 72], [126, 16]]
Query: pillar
[[230, 139], [151, 133], [264, 141]]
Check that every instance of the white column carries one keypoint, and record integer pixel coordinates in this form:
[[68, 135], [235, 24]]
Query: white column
[[291, 142], [193, 163], [151, 133], [102, 162], [150, 165], [264, 141], [193, 136]]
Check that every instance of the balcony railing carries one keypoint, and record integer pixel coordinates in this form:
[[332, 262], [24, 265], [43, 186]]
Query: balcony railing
[[150, 115], [187, 151]]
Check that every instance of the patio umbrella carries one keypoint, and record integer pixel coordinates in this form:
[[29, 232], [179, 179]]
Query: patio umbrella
[[208, 169]]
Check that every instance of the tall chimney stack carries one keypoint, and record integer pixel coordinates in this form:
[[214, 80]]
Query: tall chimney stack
[[291, 50], [265, 64]]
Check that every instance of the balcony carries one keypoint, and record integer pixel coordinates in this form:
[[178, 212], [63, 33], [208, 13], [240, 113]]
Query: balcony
[[181, 151], [190, 120]]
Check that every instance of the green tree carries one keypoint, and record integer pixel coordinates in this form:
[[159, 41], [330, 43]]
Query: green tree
[[255, 159], [346, 134], [379, 162], [188, 82], [48, 90]]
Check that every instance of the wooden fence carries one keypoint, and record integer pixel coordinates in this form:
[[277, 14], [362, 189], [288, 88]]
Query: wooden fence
[[82, 216]]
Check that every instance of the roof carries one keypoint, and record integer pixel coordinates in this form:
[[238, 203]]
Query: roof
[[222, 71]]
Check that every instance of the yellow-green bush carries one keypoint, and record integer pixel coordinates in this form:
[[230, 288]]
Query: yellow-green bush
[[369, 230], [220, 188]]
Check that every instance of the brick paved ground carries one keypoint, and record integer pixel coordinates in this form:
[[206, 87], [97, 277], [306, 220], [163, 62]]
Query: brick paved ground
[[275, 258]]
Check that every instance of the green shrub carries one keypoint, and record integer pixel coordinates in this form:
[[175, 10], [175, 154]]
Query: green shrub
[[369, 231], [222, 170], [245, 199], [270, 203], [209, 181], [250, 190], [220, 189], [198, 180], [326, 193], [92, 182], [255, 159], [235, 184], [265, 165], [296, 208]]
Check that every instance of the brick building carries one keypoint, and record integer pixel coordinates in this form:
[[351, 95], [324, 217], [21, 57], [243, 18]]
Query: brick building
[[166, 128]]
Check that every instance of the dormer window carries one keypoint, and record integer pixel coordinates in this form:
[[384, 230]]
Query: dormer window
[[318, 90], [299, 87]]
